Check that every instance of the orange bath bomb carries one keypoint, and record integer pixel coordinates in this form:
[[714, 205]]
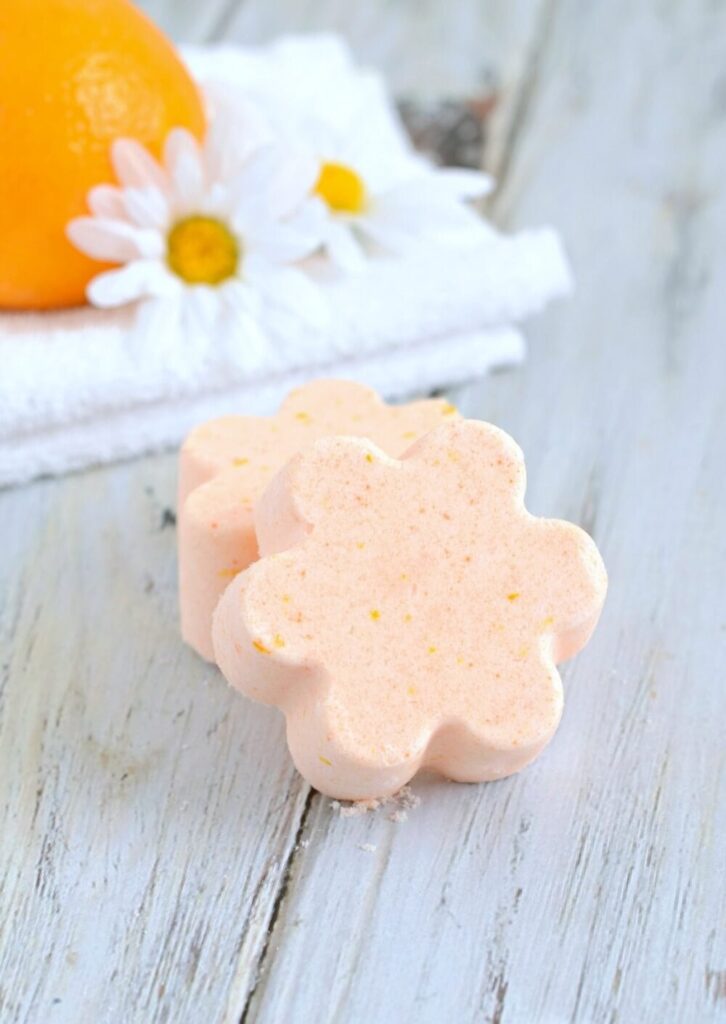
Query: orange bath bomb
[[409, 613]]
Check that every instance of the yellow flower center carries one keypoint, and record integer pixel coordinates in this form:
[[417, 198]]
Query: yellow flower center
[[341, 188], [202, 250]]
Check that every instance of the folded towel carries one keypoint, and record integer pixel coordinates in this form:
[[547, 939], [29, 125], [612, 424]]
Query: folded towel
[[126, 431], [77, 389]]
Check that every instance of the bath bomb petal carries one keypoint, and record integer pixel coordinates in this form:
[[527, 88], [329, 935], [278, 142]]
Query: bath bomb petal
[[226, 464], [409, 613]]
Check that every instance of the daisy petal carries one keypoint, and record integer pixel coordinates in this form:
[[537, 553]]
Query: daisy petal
[[419, 209], [134, 281], [462, 183], [273, 184], [247, 346], [134, 166], [157, 327], [283, 242], [388, 235], [292, 181], [242, 299], [107, 201], [288, 289], [343, 248], [147, 207], [248, 187], [216, 202], [422, 201], [182, 159], [312, 219], [202, 306], [237, 128], [113, 240]]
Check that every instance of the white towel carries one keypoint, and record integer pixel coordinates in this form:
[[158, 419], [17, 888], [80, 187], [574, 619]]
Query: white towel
[[76, 389]]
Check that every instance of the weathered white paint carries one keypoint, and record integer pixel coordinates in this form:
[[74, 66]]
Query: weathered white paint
[[426, 47], [590, 888], [150, 868], [146, 813]]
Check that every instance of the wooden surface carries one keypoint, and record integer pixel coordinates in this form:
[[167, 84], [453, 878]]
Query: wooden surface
[[160, 860]]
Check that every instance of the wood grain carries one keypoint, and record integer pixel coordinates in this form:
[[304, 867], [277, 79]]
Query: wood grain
[[591, 887], [147, 813], [159, 858], [426, 48]]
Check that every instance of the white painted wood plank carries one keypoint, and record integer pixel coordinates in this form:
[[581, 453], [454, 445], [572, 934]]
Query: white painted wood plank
[[591, 887], [425, 48], [588, 888], [146, 812]]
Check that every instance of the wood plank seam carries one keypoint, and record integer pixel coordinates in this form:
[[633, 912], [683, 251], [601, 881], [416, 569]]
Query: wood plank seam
[[278, 904], [518, 107]]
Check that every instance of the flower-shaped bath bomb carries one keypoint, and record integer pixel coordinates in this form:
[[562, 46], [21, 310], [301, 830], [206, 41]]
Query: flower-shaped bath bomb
[[408, 614], [226, 464]]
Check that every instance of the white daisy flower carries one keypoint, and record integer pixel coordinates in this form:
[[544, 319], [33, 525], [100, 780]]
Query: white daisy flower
[[368, 197], [374, 193], [210, 235]]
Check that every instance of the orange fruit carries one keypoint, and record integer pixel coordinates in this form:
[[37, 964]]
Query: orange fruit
[[74, 75]]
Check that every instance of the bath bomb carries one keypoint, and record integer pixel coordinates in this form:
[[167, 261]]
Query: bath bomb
[[410, 613], [225, 465]]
